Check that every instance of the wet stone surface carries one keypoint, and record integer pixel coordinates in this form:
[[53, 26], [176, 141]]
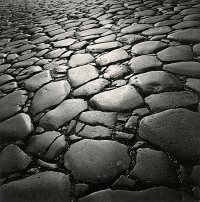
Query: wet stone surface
[[99, 100]]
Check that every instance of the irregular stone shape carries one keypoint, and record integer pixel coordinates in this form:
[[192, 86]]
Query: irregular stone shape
[[104, 39], [196, 48], [91, 88], [55, 53], [45, 186], [194, 84], [82, 74], [63, 113], [6, 88], [135, 28], [123, 136], [95, 132], [50, 95], [98, 117], [23, 48], [80, 59], [176, 53], [189, 69], [120, 99], [192, 17], [79, 45], [195, 176], [147, 47], [131, 38], [154, 167], [144, 63], [156, 194], [38, 80], [91, 32], [5, 79], [156, 81], [154, 19], [145, 13], [16, 128], [111, 57], [80, 189], [116, 72], [39, 40], [12, 103], [124, 183], [27, 72], [102, 47], [157, 31], [103, 160], [47, 145], [25, 63], [179, 135], [186, 24], [186, 36], [13, 159], [63, 43], [169, 100]]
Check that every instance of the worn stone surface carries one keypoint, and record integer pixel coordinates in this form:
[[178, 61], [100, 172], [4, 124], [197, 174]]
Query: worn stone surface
[[80, 59], [112, 160]]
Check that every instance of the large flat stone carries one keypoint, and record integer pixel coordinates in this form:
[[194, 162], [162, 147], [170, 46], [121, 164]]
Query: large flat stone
[[50, 95], [120, 99], [175, 131], [97, 161], [80, 59], [135, 28], [45, 186]]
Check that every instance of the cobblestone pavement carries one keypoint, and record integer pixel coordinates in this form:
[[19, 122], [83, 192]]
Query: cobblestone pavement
[[99, 100]]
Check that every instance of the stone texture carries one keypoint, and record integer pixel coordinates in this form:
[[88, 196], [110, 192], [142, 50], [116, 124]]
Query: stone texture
[[63, 43], [16, 128], [45, 186], [114, 56], [119, 99], [63, 113], [156, 81], [194, 84], [13, 159], [189, 69], [5, 79], [50, 95], [179, 135], [154, 167], [169, 100], [80, 59], [105, 160], [82, 74], [135, 28]]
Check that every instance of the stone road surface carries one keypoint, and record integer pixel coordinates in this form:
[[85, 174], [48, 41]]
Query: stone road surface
[[99, 100]]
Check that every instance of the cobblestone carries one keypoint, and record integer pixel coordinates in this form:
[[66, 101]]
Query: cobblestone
[[100, 100]]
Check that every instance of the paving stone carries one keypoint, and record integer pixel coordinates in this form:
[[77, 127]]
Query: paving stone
[[176, 53], [179, 135], [116, 72], [82, 74], [157, 31], [41, 39], [166, 23], [135, 28], [63, 43], [120, 99], [91, 88], [186, 36], [80, 189], [99, 117], [112, 160], [196, 48], [195, 176], [124, 183], [47, 145], [38, 80], [189, 69], [95, 132], [186, 24], [154, 19], [50, 95], [148, 47], [194, 84], [104, 39], [145, 13], [156, 194], [156, 81], [63, 35], [192, 17], [4, 67], [190, 11], [121, 136], [45, 186], [63, 113], [25, 63], [80, 59], [12, 103], [144, 63], [16, 128], [169, 100], [13, 159], [91, 32], [23, 48], [56, 32], [78, 45], [6, 88], [55, 53], [111, 57], [5, 79], [154, 167]]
